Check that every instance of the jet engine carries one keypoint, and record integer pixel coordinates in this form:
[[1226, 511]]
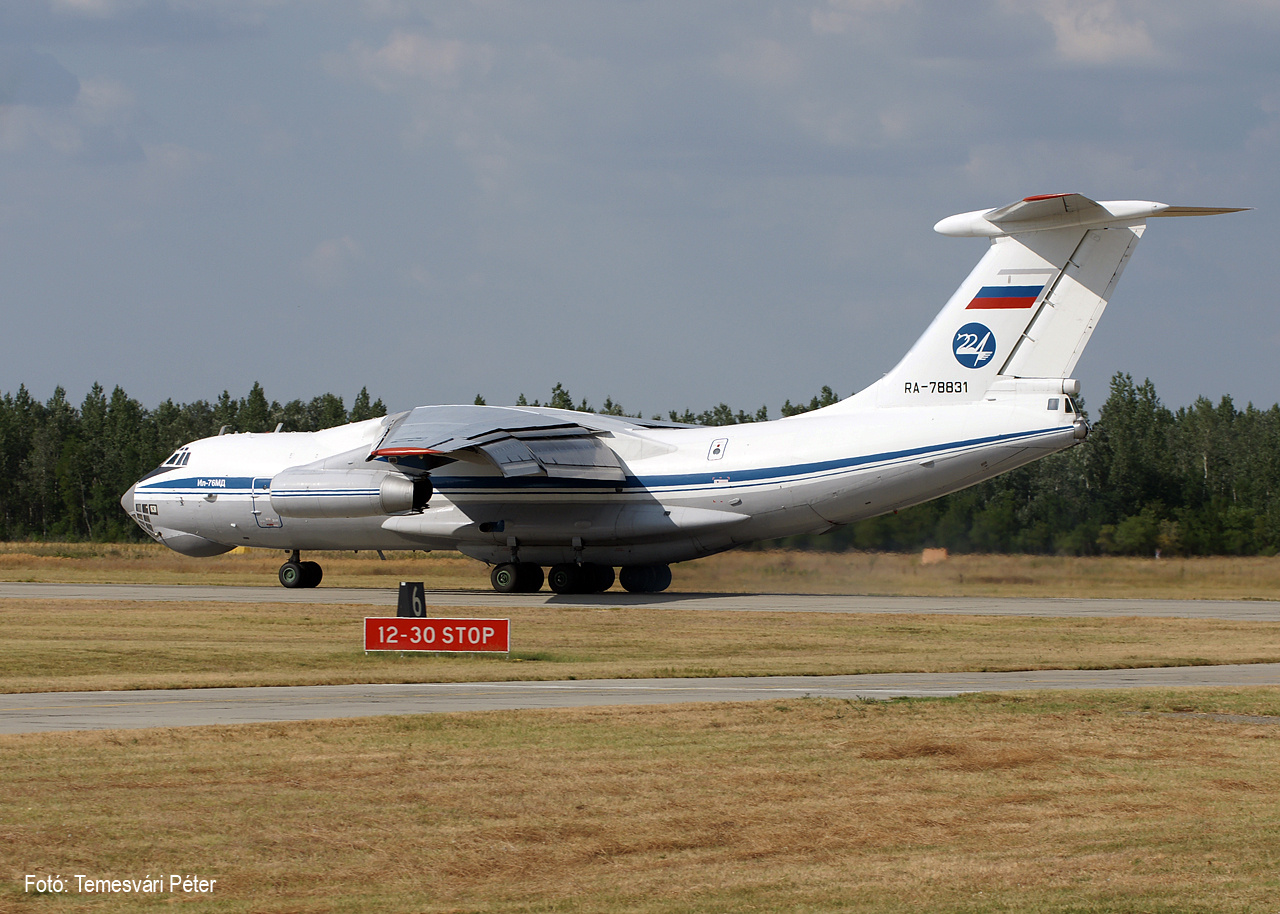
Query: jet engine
[[311, 492]]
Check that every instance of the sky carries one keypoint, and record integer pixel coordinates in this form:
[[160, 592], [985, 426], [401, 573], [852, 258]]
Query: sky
[[671, 204]]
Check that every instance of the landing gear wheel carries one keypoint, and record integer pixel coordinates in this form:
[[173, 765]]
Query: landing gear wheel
[[645, 578], [601, 578], [528, 577], [587, 578], [312, 574], [516, 577], [566, 578], [292, 575], [505, 577]]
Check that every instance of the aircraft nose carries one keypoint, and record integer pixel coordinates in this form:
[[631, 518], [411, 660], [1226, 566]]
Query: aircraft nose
[[126, 501]]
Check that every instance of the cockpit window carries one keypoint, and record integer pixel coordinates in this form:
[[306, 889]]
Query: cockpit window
[[173, 461], [1071, 407]]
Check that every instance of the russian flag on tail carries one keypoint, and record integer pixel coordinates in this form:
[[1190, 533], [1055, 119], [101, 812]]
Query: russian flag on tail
[[992, 298]]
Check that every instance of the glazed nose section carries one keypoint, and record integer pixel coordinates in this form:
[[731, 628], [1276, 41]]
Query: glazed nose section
[[126, 501]]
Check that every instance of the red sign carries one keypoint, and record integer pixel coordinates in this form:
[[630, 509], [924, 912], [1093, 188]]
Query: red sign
[[396, 633]]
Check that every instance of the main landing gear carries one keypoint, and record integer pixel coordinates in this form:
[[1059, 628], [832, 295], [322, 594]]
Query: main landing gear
[[516, 577], [295, 573], [586, 578], [646, 578], [569, 577]]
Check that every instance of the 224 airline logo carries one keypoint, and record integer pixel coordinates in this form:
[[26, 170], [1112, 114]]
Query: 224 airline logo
[[974, 345]]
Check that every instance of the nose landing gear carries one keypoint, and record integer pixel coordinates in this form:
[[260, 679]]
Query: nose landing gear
[[295, 573]]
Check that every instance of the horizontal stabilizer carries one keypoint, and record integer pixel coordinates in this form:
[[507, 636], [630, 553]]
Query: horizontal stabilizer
[[1047, 206], [1055, 211], [1201, 210]]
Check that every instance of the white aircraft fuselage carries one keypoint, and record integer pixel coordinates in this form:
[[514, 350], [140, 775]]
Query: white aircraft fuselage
[[985, 390]]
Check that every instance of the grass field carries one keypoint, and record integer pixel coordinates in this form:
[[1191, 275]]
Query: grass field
[[735, 572], [1118, 801], [79, 645], [1080, 802]]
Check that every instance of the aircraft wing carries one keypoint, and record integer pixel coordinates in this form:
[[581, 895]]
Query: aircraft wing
[[519, 442]]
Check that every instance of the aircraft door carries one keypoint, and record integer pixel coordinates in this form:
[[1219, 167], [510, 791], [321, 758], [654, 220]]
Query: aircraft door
[[261, 497]]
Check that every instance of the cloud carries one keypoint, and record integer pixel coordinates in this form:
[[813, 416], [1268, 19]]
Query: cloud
[[766, 62], [47, 109], [34, 78], [95, 9], [24, 129], [132, 23], [445, 82], [845, 17], [105, 101], [175, 159], [839, 17], [331, 261], [411, 57], [39, 132], [1096, 32]]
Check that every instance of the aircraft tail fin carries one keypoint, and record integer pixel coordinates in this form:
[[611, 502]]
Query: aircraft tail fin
[[1030, 305]]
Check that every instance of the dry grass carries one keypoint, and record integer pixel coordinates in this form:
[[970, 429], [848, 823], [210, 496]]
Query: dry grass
[[1064, 802], [151, 563], [80, 645], [981, 804], [751, 572], [1213, 578]]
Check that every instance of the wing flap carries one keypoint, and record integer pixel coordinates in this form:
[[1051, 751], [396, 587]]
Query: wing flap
[[576, 458], [442, 429], [512, 457], [518, 442]]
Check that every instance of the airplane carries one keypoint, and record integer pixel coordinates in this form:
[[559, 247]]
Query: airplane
[[984, 390]]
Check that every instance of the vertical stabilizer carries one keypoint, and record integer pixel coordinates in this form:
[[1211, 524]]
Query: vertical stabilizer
[[1029, 306]]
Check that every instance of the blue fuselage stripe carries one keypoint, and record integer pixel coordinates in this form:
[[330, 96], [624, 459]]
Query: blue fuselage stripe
[[241, 485]]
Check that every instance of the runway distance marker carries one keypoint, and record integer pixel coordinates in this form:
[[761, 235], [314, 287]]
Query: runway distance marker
[[412, 601], [397, 633]]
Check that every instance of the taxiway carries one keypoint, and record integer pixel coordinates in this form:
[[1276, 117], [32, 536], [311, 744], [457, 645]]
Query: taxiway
[[46, 711], [1066, 607]]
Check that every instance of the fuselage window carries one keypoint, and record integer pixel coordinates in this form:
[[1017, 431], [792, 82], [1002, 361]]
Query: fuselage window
[[1053, 404]]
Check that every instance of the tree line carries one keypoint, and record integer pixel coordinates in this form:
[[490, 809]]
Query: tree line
[[63, 468], [1201, 480]]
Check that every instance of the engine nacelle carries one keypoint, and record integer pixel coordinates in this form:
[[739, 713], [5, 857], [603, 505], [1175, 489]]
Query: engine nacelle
[[347, 493]]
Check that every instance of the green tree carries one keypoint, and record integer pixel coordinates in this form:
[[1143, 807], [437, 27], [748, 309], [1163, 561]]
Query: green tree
[[362, 408], [325, 411], [560, 398], [254, 413], [826, 398]]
